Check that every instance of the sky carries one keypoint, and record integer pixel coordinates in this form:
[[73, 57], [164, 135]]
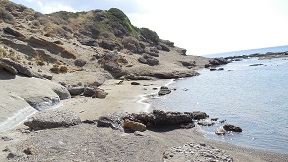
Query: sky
[[200, 26]]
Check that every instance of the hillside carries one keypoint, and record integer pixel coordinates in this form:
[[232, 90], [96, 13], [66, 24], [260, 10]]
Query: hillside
[[100, 43]]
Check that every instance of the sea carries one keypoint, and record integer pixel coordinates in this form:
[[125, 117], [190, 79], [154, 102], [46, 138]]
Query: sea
[[254, 98]]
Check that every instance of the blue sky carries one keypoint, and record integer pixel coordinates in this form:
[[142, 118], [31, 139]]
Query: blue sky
[[201, 26]]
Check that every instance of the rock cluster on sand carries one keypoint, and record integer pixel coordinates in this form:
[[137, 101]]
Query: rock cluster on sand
[[155, 118], [195, 152]]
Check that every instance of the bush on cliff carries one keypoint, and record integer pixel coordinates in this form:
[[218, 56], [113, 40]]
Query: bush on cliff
[[150, 34], [6, 16]]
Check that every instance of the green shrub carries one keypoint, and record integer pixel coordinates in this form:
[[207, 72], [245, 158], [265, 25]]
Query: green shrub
[[150, 34]]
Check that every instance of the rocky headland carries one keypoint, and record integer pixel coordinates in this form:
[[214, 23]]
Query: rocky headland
[[94, 69]]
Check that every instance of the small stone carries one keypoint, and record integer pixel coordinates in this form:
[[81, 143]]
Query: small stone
[[135, 83], [31, 150], [214, 119], [138, 133], [220, 131]]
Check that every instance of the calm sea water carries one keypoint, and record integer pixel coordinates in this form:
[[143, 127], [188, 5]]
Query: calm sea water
[[252, 97]]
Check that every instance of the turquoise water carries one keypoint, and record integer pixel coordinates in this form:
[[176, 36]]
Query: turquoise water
[[252, 97]]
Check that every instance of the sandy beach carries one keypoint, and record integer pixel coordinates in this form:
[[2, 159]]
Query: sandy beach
[[121, 98]]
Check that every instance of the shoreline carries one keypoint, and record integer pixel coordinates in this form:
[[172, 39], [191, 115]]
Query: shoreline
[[137, 97]]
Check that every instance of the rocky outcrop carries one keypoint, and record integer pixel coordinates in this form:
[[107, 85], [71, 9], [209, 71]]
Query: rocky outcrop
[[51, 47], [147, 59], [188, 63], [153, 119], [137, 77], [12, 66], [8, 68], [164, 91], [218, 61], [195, 152], [22, 69], [14, 32], [62, 92], [53, 119], [229, 127]]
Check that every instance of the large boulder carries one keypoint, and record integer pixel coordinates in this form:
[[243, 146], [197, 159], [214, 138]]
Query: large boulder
[[53, 119], [77, 90], [110, 45], [197, 115], [89, 91], [22, 69], [230, 127], [164, 47]]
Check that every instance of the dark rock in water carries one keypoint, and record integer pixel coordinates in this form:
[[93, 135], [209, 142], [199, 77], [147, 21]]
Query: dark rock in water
[[187, 125], [53, 119], [220, 69], [74, 91], [229, 127], [80, 62], [206, 123], [219, 61], [89, 92], [214, 119], [135, 83], [164, 91], [213, 69], [256, 64], [196, 152], [220, 131], [197, 115]]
